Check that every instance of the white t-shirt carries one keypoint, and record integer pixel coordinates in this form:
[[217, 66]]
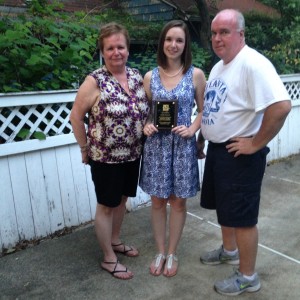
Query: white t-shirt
[[237, 94]]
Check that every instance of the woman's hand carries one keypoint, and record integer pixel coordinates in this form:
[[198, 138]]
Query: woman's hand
[[149, 129], [183, 131], [84, 157]]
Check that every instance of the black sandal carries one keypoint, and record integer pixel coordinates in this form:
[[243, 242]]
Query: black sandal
[[115, 271], [124, 251]]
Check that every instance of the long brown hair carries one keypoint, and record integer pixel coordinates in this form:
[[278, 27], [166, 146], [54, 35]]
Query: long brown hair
[[186, 57]]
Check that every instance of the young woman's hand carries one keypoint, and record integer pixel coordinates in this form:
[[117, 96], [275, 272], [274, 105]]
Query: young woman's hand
[[183, 131]]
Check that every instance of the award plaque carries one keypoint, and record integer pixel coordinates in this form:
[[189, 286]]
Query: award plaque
[[165, 114]]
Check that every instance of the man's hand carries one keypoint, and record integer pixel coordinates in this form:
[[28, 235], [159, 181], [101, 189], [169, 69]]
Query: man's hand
[[200, 148], [241, 145]]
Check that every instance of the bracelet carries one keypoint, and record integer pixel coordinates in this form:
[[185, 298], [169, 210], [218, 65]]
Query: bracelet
[[84, 148]]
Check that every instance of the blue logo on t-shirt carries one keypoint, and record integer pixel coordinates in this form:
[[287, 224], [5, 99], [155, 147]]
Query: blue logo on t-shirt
[[215, 96]]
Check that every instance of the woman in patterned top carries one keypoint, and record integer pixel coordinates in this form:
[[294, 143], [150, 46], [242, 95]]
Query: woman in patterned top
[[117, 106], [170, 167]]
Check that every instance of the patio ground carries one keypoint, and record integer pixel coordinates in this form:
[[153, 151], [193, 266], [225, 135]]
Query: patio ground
[[68, 267]]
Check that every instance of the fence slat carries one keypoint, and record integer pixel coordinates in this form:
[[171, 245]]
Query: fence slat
[[52, 186], [80, 186], [38, 195], [67, 186], [8, 222], [22, 203]]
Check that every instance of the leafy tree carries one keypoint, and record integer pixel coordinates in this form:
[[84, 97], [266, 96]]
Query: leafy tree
[[49, 50], [289, 11], [42, 50], [278, 39]]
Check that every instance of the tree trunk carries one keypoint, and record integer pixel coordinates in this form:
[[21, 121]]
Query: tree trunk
[[205, 23]]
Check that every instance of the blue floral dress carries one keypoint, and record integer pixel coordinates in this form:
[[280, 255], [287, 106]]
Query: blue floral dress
[[169, 163]]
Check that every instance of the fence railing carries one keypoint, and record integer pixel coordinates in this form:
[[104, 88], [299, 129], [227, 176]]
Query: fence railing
[[44, 185]]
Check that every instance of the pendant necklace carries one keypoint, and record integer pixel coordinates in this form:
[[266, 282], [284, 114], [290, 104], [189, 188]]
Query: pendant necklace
[[174, 75]]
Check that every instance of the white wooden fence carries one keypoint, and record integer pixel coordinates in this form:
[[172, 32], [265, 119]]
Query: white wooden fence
[[44, 185]]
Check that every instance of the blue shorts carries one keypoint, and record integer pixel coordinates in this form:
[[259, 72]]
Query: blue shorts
[[232, 185], [112, 181]]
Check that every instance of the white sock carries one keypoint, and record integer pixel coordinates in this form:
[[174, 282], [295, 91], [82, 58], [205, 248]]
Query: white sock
[[231, 253], [249, 277]]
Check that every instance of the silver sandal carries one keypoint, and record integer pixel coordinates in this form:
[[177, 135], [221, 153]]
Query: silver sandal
[[169, 263], [158, 258]]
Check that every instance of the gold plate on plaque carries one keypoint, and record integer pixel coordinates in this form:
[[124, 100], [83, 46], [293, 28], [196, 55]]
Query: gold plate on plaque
[[165, 114]]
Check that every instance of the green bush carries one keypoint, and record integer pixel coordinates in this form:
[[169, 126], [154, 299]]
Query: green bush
[[278, 39], [144, 62], [147, 61], [201, 58], [48, 50], [286, 58], [42, 53]]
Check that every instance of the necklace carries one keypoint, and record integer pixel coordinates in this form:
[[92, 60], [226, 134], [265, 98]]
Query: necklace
[[174, 75]]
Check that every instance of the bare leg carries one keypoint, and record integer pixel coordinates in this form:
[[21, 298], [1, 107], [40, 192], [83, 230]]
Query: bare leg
[[177, 221], [118, 217], [103, 228], [176, 225], [247, 241], [229, 239], [158, 219]]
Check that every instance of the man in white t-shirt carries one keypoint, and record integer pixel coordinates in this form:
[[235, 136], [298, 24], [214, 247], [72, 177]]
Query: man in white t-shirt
[[245, 106]]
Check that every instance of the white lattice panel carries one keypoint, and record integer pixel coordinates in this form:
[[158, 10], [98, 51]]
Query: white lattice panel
[[51, 119], [46, 111], [293, 89]]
